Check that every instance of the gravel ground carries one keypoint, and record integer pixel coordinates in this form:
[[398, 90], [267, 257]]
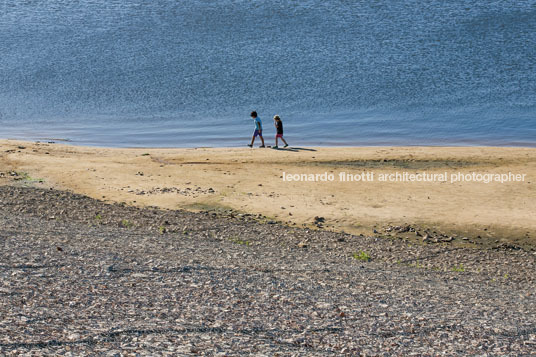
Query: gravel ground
[[79, 277]]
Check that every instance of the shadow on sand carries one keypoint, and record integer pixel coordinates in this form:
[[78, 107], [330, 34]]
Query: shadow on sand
[[293, 149]]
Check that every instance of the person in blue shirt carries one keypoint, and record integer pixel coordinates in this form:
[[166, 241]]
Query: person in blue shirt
[[258, 129]]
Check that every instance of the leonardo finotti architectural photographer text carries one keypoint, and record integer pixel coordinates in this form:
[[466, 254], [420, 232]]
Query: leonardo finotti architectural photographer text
[[371, 176]]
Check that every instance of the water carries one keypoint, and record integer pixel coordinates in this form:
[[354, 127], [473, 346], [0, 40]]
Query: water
[[187, 73]]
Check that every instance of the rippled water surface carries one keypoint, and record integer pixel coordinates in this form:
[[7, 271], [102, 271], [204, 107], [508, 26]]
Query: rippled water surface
[[187, 73]]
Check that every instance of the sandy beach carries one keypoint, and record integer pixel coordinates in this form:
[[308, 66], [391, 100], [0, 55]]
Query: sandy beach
[[101, 254], [135, 219], [442, 207]]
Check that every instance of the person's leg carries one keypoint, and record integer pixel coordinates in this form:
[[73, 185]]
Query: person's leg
[[276, 138], [252, 140], [262, 140], [286, 144]]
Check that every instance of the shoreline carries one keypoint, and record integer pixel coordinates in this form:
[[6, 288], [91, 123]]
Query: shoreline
[[246, 139], [249, 181]]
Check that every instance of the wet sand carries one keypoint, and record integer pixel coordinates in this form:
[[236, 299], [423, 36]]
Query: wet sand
[[251, 181]]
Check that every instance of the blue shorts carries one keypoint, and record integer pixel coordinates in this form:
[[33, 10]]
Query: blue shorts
[[257, 133]]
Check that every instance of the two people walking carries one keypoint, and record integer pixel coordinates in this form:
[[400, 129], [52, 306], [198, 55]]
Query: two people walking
[[258, 130]]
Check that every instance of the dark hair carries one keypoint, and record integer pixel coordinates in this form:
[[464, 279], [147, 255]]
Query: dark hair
[[253, 114]]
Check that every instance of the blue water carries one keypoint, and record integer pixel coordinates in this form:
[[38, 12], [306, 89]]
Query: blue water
[[187, 73]]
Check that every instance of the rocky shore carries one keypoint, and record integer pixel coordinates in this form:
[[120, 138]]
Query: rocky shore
[[80, 276]]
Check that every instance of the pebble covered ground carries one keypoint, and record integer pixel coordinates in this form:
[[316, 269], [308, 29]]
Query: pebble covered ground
[[80, 277]]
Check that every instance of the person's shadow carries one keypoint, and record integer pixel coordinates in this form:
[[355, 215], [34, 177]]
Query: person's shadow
[[293, 149]]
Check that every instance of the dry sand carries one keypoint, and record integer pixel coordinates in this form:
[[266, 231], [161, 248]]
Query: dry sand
[[250, 180]]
